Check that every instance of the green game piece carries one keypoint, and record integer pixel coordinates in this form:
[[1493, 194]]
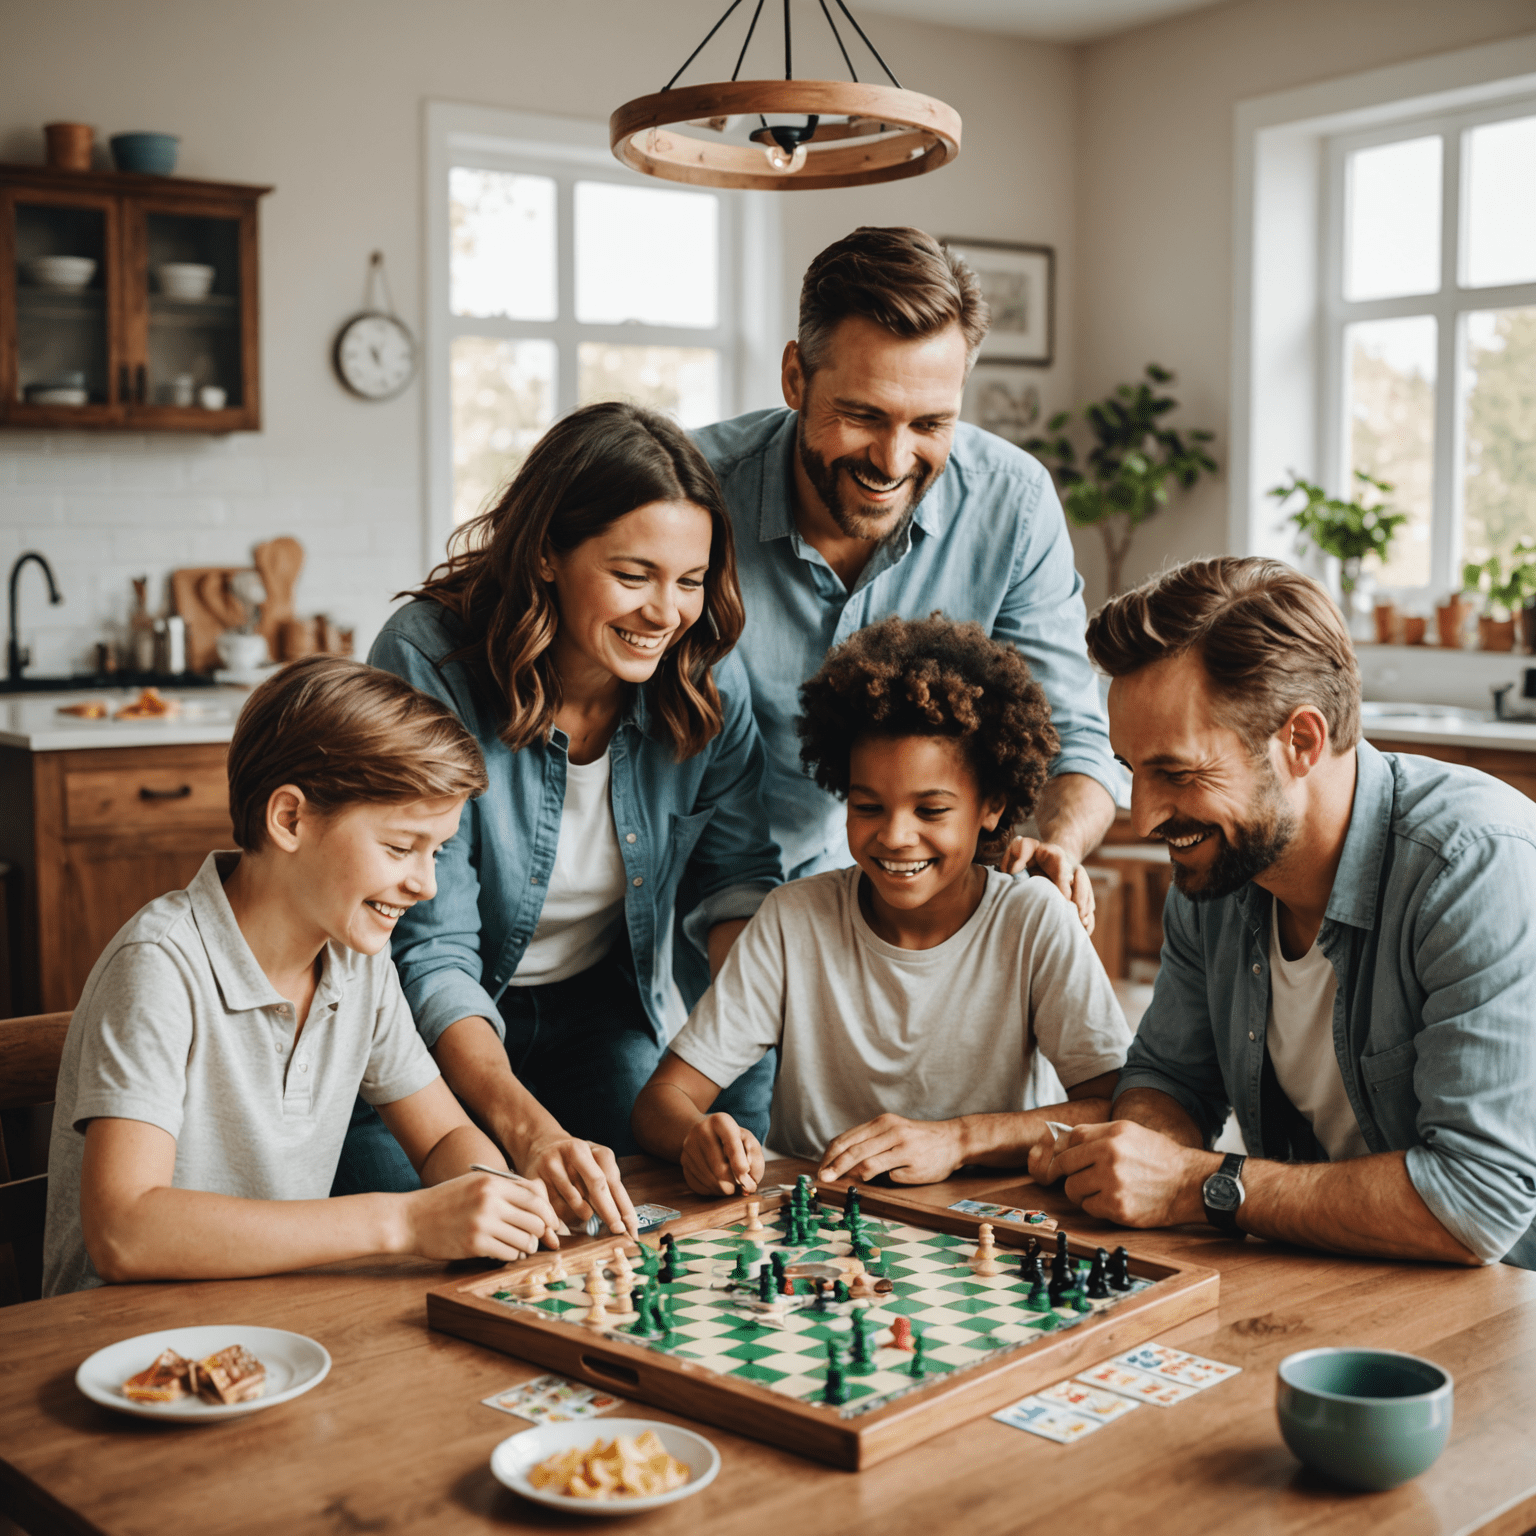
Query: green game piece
[[840, 1292], [1039, 1299], [765, 1284], [836, 1389], [742, 1272], [862, 1362], [918, 1367]]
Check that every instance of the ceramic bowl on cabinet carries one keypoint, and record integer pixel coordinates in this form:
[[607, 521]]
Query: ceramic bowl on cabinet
[[65, 273], [185, 279], [152, 154]]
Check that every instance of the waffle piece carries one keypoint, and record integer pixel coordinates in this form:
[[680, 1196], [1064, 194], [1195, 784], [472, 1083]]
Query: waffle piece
[[162, 1382], [234, 1375]]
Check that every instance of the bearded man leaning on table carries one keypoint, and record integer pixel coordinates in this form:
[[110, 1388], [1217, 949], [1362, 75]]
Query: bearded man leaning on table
[[1349, 955]]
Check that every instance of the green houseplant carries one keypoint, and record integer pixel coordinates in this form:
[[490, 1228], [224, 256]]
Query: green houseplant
[[1350, 531], [1124, 477], [1503, 595]]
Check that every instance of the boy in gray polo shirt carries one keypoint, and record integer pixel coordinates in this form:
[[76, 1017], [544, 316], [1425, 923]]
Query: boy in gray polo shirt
[[211, 1067], [907, 995]]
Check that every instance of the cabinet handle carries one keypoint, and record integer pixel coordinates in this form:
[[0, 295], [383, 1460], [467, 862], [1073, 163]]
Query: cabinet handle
[[182, 793], [141, 384], [123, 391]]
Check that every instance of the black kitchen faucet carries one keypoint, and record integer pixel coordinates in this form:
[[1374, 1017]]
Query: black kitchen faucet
[[16, 655]]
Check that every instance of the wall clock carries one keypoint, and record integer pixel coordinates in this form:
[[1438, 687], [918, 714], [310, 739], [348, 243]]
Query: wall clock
[[375, 352]]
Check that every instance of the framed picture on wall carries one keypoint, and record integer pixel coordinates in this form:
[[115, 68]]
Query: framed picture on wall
[[1019, 282], [1004, 399]]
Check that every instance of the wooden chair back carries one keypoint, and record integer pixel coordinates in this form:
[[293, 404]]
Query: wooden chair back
[[30, 1052]]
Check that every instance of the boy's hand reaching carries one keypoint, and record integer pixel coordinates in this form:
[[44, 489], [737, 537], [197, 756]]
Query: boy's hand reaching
[[911, 1151], [719, 1155], [479, 1215], [584, 1177]]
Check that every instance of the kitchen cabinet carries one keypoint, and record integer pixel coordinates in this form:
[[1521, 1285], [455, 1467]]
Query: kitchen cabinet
[[1514, 767], [124, 350], [91, 836]]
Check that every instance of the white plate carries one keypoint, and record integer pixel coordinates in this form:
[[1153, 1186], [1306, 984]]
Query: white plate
[[62, 395], [294, 1365], [512, 1459]]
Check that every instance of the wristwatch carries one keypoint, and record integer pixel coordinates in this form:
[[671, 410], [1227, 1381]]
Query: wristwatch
[[1223, 1193]]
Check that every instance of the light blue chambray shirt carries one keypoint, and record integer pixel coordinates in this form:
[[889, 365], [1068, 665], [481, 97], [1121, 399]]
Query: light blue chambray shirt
[[1431, 929], [988, 542], [457, 952]]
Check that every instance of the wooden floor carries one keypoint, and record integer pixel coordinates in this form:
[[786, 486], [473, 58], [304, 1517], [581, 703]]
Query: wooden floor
[[396, 1441]]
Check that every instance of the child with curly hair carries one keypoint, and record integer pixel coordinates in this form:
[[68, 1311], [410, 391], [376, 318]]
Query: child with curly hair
[[908, 993]]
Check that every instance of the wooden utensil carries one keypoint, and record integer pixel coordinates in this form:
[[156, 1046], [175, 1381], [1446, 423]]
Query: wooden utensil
[[202, 597], [279, 561]]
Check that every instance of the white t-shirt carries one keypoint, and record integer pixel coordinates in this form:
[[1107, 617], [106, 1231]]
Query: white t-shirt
[[585, 903], [1300, 1038], [864, 1027]]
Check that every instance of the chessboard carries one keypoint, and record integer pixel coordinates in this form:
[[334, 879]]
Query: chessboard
[[845, 1330]]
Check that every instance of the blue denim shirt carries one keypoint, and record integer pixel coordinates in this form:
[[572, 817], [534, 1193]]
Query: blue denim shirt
[[988, 543], [457, 952], [1431, 929]]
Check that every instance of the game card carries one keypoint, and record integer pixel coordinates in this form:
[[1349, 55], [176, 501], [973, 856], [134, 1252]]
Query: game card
[[1139, 1385], [1048, 1420], [992, 1212], [552, 1400], [1096, 1403], [1178, 1365]]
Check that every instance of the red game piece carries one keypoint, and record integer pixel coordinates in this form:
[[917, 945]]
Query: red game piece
[[901, 1334]]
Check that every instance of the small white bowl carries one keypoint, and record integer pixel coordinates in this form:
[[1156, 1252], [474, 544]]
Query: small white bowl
[[68, 274], [512, 1460], [58, 394], [185, 279]]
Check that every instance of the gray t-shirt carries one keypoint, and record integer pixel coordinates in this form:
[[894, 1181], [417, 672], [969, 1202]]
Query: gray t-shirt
[[864, 1027], [178, 1026]]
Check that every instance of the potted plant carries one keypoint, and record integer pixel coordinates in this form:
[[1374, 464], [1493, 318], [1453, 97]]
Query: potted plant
[[1124, 478], [1503, 596], [1350, 531]]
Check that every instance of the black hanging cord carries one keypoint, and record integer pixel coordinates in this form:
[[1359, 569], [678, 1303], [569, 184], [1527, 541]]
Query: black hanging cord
[[789, 69], [700, 49], [860, 30], [839, 36], [741, 57]]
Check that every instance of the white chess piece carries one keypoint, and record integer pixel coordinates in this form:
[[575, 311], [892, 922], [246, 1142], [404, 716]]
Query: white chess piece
[[597, 1294], [535, 1289], [623, 1282], [754, 1218], [984, 1260]]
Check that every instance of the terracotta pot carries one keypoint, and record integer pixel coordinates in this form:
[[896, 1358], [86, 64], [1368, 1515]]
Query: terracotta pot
[[1414, 625], [1496, 634], [69, 145], [1449, 618], [1386, 623]]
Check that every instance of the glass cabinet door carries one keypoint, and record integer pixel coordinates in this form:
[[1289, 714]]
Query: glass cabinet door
[[61, 283], [189, 281]]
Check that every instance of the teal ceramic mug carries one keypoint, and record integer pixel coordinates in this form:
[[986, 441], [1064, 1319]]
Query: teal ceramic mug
[[1370, 1418]]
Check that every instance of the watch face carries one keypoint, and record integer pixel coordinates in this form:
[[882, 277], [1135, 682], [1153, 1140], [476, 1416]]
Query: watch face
[[375, 356], [1221, 1192]]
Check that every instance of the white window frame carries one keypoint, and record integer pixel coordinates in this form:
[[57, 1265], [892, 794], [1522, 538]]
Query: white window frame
[[1449, 306], [1280, 420], [569, 150]]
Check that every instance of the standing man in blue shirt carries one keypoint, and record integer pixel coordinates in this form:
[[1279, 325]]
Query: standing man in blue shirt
[[869, 497], [1349, 952]]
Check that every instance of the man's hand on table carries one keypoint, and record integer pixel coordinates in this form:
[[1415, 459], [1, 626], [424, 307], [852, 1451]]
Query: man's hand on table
[[478, 1215], [1125, 1173], [719, 1157], [911, 1151]]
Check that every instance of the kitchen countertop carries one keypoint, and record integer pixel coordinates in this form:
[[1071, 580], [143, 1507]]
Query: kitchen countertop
[[1446, 726], [32, 722]]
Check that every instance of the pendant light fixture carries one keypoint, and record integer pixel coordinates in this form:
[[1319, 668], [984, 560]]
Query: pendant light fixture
[[852, 133]]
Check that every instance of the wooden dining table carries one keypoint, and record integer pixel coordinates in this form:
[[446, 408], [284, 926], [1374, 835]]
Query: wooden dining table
[[396, 1439]]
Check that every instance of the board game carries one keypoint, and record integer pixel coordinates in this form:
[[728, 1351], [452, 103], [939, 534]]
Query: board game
[[845, 1329]]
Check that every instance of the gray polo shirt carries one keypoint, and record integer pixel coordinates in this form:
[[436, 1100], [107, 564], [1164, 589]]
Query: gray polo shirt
[[178, 1026]]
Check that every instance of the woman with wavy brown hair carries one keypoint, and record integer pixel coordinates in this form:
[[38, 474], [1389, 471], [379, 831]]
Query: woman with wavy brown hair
[[581, 630]]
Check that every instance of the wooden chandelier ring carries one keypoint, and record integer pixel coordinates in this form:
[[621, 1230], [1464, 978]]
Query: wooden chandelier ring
[[931, 137]]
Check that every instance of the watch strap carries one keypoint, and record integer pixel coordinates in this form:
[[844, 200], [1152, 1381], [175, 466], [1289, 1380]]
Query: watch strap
[[1226, 1221]]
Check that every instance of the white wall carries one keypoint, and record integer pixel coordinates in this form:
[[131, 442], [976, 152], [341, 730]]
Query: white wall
[[1155, 178], [324, 100]]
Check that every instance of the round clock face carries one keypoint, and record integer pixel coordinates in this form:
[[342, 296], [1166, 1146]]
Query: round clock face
[[375, 356]]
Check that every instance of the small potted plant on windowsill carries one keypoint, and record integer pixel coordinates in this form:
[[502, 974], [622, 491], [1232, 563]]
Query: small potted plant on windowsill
[[1503, 596], [1350, 531]]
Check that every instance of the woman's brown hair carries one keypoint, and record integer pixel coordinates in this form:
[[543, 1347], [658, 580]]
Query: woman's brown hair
[[589, 470]]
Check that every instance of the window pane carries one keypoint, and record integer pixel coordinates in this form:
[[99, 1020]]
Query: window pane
[[646, 255], [501, 239], [1499, 488], [683, 381], [503, 399], [1390, 379], [1392, 243], [1501, 203]]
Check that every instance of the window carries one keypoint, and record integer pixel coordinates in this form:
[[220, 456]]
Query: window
[[557, 277], [1429, 348]]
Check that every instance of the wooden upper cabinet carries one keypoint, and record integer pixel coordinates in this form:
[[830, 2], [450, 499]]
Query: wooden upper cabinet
[[135, 350]]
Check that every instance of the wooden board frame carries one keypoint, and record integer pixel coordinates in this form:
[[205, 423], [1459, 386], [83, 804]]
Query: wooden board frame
[[612, 1361]]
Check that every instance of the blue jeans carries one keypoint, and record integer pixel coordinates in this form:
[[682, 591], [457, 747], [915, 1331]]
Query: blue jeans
[[584, 1048]]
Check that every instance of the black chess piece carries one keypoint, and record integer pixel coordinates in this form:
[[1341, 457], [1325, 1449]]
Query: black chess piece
[[1119, 1270], [1098, 1276], [1032, 1248], [1062, 1267], [1031, 1271]]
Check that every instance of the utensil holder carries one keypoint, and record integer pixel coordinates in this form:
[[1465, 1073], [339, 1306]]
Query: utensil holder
[[69, 145]]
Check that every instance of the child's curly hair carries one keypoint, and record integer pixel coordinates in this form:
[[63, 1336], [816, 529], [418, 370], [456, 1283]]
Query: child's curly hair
[[934, 677]]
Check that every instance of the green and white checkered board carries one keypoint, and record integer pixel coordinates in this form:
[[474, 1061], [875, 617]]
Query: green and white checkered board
[[964, 1318]]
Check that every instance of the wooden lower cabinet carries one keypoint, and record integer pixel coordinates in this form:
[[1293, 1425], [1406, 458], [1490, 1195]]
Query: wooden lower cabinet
[[1517, 769], [91, 836]]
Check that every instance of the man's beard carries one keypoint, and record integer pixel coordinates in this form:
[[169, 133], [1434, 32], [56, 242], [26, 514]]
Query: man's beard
[[855, 523], [1257, 844]]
